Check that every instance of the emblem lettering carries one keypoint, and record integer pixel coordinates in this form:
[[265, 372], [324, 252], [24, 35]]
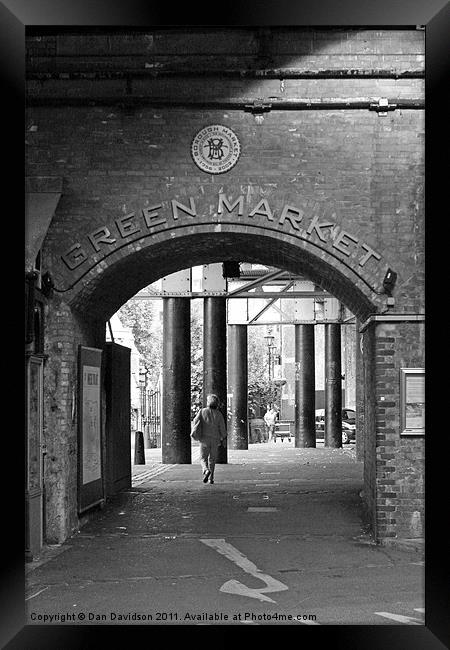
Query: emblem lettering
[[101, 236], [152, 217], [343, 245], [224, 202], [215, 149], [230, 209], [315, 225], [370, 253], [125, 227], [216, 146], [176, 205], [263, 209], [74, 257], [287, 214]]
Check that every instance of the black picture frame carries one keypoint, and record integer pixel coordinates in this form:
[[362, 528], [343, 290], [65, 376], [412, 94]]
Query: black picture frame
[[15, 16]]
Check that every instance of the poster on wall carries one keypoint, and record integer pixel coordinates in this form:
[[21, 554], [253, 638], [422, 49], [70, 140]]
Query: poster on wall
[[91, 460], [90, 480], [413, 401]]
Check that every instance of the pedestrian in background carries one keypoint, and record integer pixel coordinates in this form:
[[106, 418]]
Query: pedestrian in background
[[213, 434], [270, 417]]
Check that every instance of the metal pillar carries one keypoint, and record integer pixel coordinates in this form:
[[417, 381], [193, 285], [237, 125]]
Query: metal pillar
[[176, 376], [305, 387], [215, 357], [333, 386], [237, 386]]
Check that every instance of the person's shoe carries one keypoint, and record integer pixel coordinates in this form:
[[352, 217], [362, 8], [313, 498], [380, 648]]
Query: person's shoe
[[211, 480], [206, 474]]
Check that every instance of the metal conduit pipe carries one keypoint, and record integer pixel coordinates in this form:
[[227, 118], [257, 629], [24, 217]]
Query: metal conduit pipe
[[247, 105], [281, 75], [215, 357], [176, 375], [305, 387]]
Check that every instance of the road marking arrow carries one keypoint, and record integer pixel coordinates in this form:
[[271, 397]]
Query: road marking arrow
[[238, 588]]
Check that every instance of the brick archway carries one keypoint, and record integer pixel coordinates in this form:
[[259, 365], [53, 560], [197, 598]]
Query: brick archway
[[104, 287], [85, 307]]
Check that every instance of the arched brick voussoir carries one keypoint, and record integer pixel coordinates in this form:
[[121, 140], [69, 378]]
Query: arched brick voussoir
[[104, 289]]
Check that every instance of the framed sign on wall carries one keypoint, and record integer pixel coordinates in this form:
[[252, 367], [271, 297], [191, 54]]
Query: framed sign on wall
[[412, 401], [90, 472]]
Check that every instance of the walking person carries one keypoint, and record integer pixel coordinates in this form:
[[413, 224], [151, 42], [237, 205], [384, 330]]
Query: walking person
[[270, 417], [213, 433]]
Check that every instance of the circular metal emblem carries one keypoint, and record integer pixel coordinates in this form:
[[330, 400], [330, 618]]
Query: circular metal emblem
[[215, 149]]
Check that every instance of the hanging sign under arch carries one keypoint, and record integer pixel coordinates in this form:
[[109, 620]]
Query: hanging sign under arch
[[215, 149]]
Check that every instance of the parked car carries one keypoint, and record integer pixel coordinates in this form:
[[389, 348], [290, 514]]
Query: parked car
[[320, 423], [348, 424]]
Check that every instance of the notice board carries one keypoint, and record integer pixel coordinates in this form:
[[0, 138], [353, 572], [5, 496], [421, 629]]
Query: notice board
[[412, 399], [90, 478]]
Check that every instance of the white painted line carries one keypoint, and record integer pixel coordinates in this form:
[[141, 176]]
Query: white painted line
[[421, 610], [267, 473], [145, 476], [308, 622], [36, 594], [399, 618], [262, 509], [141, 477], [236, 587]]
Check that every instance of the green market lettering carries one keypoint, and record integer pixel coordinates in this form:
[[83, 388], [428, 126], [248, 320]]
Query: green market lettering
[[298, 221]]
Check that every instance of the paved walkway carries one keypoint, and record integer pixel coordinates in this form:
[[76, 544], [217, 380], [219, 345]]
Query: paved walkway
[[278, 539], [153, 465]]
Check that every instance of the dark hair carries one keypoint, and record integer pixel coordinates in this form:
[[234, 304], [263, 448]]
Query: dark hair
[[212, 401]]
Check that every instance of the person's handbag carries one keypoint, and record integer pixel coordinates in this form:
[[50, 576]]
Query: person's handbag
[[196, 427]]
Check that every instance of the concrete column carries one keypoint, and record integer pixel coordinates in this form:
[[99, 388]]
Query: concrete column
[[238, 386], [176, 376], [333, 386], [215, 356], [305, 387], [349, 361]]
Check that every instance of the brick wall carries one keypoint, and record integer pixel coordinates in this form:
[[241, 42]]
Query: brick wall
[[393, 465], [212, 50], [400, 460], [364, 170], [101, 116], [352, 164], [64, 333], [370, 428]]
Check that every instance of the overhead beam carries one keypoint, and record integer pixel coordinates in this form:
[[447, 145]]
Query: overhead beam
[[262, 280], [246, 294], [269, 304]]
